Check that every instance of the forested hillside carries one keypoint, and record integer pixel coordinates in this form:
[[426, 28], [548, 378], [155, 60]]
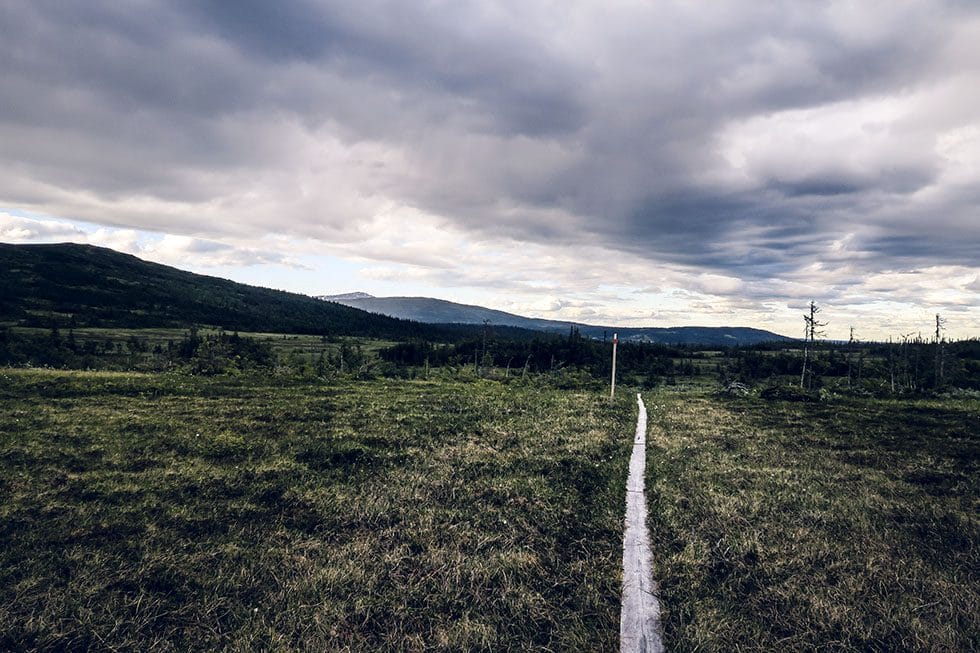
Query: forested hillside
[[82, 285]]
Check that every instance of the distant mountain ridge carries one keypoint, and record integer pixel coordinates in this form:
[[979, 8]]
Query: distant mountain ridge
[[67, 283], [440, 311], [345, 296]]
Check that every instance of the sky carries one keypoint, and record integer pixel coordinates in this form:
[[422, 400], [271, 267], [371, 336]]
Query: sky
[[615, 162]]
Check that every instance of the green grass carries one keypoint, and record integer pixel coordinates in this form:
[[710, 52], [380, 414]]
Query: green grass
[[848, 525], [167, 512], [307, 347], [172, 512]]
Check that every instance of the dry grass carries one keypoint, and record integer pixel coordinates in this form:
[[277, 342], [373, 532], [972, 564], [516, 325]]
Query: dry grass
[[145, 512], [844, 526]]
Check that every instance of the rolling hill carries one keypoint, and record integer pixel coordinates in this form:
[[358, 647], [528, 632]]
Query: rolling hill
[[42, 284], [439, 311]]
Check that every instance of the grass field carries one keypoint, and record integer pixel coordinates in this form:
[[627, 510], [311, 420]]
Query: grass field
[[849, 525], [173, 512], [168, 512], [306, 347]]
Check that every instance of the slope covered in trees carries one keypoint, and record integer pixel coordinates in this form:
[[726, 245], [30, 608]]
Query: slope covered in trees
[[93, 286]]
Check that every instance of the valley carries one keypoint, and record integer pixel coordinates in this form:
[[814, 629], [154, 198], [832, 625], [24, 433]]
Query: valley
[[370, 483]]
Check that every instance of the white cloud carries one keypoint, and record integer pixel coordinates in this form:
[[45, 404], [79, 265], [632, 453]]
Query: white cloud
[[181, 251], [18, 229]]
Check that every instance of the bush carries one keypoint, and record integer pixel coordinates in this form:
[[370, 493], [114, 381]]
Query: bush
[[788, 393]]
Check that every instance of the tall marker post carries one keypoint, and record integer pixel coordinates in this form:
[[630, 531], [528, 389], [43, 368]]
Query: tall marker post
[[612, 389]]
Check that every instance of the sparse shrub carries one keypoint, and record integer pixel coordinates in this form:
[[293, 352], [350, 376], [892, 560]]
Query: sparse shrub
[[788, 393], [574, 380]]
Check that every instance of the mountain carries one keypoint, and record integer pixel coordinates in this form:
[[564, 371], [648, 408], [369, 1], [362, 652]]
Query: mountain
[[95, 286], [345, 297], [102, 287], [440, 311]]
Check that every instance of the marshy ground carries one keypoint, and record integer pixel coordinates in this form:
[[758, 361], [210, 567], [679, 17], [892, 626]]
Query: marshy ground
[[163, 512], [172, 512], [844, 525]]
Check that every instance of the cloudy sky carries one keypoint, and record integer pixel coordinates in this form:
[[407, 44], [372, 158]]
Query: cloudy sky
[[611, 161]]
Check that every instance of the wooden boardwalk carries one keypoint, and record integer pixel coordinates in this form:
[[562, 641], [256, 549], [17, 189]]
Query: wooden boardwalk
[[639, 623]]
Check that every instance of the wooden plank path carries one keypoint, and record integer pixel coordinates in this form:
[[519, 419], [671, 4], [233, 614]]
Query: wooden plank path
[[639, 623]]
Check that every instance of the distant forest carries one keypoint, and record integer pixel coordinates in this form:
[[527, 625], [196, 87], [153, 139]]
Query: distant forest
[[571, 360]]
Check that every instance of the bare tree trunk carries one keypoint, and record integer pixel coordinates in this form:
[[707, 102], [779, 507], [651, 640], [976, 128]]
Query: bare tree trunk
[[891, 363], [806, 344], [812, 327], [915, 369], [906, 366]]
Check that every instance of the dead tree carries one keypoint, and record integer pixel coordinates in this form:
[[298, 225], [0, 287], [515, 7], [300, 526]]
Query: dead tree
[[486, 324], [891, 363], [861, 351], [856, 351], [909, 380], [940, 325], [812, 329], [806, 345], [918, 354], [911, 359]]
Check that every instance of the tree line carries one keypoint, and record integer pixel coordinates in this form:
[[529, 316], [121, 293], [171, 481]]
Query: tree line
[[907, 365]]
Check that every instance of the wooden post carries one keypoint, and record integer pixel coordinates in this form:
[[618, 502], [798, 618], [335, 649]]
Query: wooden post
[[612, 388]]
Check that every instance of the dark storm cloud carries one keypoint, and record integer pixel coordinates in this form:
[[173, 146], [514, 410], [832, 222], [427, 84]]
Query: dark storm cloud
[[280, 30], [742, 137], [443, 48]]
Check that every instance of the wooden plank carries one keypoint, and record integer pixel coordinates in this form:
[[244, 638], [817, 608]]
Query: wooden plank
[[639, 623]]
